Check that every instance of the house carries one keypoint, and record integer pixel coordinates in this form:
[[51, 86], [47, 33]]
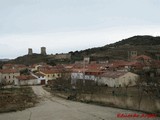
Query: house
[[35, 67], [86, 75], [117, 79], [8, 75], [77, 74], [51, 75], [119, 65], [8, 66], [26, 80], [142, 59], [124, 66], [91, 76], [18, 67], [41, 78]]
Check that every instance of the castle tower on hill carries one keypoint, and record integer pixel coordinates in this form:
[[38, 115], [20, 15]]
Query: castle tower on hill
[[43, 50], [30, 52], [132, 54]]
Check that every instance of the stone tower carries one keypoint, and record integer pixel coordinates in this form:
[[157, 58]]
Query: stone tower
[[43, 50], [30, 52], [86, 60], [132, 54]]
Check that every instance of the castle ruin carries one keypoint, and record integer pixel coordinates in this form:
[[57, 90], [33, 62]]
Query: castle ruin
[[132, 54], [30, 52], [43, 50]]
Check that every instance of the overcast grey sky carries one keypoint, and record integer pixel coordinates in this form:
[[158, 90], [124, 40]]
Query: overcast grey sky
[[68, 25]]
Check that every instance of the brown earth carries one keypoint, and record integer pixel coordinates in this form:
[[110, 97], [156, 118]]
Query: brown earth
[[14, 99]]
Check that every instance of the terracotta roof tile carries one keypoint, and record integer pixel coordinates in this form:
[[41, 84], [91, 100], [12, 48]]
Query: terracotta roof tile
[[25, 77], [50, 71], [39, 74], [113, 74], [8, 71], [142, 57]]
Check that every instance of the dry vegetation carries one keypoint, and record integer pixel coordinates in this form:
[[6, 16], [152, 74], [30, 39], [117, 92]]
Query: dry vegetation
[[13, 99]]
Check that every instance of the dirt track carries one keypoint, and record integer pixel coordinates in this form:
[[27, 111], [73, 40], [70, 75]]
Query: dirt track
[[54, 108]]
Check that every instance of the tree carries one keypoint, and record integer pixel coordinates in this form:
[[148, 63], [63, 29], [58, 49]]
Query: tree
[[127, 85], [140, 86], [2, 83], [25, 72]]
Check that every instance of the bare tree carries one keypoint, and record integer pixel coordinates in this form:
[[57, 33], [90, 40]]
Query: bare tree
[[140, 86], [2, 83], [127, 85]]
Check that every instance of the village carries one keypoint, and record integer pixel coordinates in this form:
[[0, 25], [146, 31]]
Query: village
[[115, 83], [115, 73], [79, 60]]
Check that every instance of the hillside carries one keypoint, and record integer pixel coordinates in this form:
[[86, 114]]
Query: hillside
[[142, 44], [147, 45], [138, 40], [30, 59]]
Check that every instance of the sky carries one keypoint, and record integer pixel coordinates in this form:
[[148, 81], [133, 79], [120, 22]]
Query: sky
[[69, 25]]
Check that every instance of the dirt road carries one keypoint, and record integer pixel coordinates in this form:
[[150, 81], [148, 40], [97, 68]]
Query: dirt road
[[54, 108]]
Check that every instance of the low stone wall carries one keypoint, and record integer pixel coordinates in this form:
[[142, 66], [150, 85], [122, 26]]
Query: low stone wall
[[146, 104], [132, 102]]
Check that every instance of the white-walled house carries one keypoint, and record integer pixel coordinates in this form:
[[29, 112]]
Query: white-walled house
[[117, 79], [51, 75], [41, 78], [87, 75], [93, 75], [77, 74], [8, 75], [26, 80]]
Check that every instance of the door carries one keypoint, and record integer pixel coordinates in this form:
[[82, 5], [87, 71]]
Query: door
[[42, 82]]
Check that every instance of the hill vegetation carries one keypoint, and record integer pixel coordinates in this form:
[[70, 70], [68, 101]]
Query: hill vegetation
[[138, 40], [142, 44], [147, 45], [30, 59]]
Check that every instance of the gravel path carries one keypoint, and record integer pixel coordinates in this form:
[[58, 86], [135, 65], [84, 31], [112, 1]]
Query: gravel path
[[54, 108]]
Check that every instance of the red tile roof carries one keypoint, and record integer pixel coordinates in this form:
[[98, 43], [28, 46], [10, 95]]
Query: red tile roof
[[50, 71], [8, 71], [39, 74], [113, 74], [8, 65], [93, 72], [25, 77], [79, 70], [142, 57]]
